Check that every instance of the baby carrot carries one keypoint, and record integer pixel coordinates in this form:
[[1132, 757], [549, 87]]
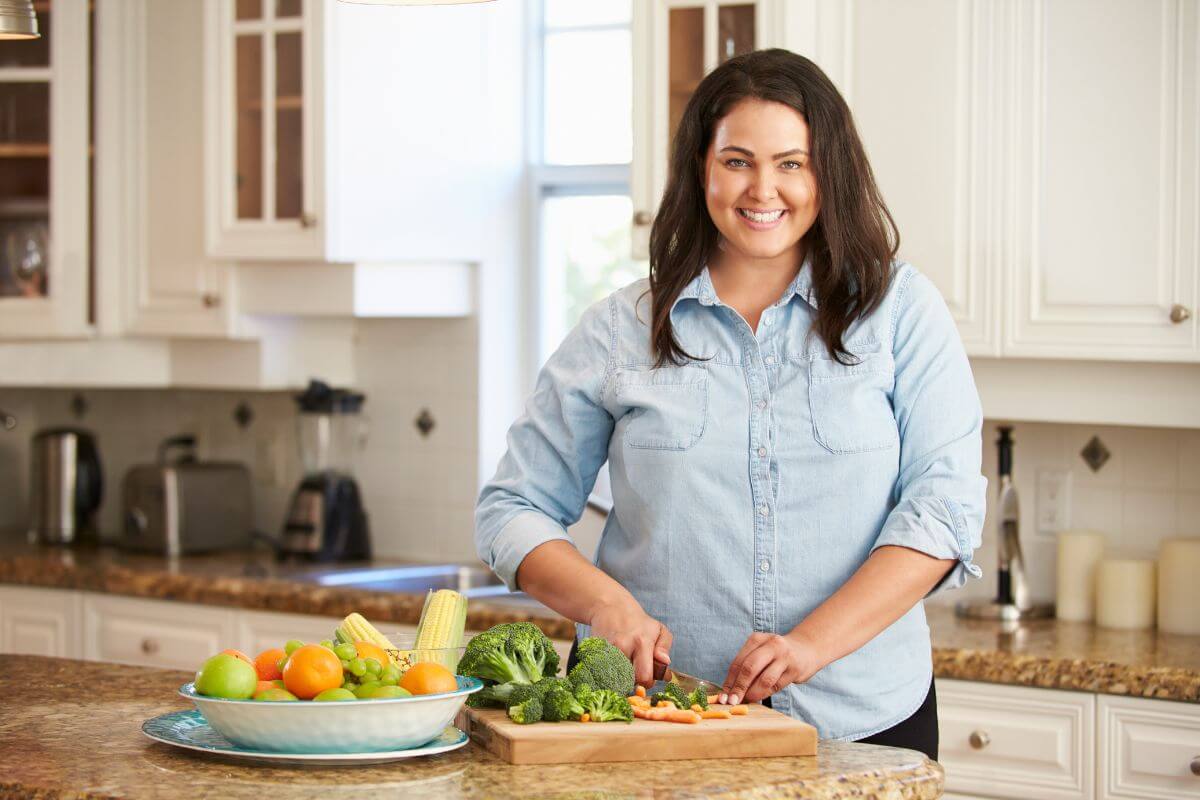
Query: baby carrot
[[713, 698], [715, 713], [640, 691], [738, 711], [585, 717]]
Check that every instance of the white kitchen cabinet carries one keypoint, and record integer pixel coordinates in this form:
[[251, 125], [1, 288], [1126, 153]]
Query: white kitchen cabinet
[[675, 44], [45, 178], [154, 633], [1105, 206], [1148, 748], [1016, 742], [44, 622], [338, 132]]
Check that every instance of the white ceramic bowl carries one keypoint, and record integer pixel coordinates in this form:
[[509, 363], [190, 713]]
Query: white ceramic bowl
[[337, 726]]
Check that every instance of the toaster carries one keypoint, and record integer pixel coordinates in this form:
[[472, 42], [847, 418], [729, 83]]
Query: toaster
[[183, 505]]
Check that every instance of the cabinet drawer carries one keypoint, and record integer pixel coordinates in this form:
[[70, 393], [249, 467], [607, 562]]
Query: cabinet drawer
[[1013, 741], [154, 633], [1148, 748], [42, 622]]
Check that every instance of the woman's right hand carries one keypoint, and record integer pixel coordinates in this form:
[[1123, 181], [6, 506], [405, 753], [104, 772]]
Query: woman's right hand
[[635, 633]]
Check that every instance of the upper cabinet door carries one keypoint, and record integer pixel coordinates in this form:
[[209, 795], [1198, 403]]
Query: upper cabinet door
[[929, 123], [1104, 166], [675, 44], [263, 125], [45, 176]]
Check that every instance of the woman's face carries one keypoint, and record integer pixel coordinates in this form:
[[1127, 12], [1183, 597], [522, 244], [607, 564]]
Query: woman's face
[[759, 184]]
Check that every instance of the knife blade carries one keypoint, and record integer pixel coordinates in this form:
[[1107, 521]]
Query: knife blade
[[688, 683]]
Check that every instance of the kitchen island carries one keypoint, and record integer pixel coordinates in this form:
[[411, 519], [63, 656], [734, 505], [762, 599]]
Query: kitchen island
[[73, 729]]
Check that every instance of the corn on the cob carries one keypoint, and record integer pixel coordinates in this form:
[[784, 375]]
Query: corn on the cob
[[443, 620], [355, 628]]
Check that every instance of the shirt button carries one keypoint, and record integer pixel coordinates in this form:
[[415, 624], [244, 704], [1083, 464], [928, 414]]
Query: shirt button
[[766, 320], [765, 566], [769, 360], [762, 403], [763, 510], [762, 452]]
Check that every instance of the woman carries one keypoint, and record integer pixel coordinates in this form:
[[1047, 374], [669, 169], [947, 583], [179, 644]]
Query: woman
[[791, 425]]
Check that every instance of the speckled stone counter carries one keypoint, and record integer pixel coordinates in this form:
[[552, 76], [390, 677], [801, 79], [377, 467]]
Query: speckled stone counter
[[72, 729], [1045, 653]]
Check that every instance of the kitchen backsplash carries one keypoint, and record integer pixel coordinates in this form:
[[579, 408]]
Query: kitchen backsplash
[[420, 490]]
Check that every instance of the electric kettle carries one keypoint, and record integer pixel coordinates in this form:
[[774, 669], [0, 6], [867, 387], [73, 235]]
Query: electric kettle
[[67, 486]]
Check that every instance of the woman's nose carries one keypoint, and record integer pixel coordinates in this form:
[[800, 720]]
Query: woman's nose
[[763, 186]]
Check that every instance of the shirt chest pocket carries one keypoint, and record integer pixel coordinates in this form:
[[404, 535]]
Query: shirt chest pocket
[[667, 408], [851, 404]]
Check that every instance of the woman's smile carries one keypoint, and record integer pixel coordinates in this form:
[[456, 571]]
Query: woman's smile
[[760, 219]]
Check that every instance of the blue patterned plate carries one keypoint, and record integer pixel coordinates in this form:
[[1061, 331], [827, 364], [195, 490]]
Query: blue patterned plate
[[189, 730]]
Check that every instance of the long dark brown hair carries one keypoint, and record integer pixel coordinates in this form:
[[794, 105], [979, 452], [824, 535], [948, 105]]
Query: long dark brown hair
[[854, 238]]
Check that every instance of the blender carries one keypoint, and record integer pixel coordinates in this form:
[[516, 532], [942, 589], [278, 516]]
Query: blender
[[326, 520]]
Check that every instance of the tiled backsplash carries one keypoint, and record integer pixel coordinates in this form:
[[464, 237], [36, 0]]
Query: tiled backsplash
[[420, 491]]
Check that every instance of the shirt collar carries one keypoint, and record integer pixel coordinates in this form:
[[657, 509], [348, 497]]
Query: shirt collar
[[700, 288]]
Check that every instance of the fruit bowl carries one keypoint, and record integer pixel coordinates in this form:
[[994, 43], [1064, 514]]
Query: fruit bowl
[[407, 653], [346, 726]]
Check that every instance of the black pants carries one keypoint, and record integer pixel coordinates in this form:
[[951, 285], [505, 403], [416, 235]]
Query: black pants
[[918, 732]]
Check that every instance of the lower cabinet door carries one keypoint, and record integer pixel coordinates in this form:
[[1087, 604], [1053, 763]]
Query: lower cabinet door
[[1016, 742], [154, 633], [40, 622], [1149, 748]]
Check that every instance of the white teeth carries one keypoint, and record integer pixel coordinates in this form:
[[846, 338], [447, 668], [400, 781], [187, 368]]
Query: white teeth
[[770, 216]]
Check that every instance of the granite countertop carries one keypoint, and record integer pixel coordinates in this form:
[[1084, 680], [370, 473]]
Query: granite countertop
[[1042, 653], [73, 729]]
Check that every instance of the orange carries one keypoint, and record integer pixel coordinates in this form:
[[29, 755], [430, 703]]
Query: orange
[[311, 670], [266, 663], [370, 650], [238, 654], [426, 677]]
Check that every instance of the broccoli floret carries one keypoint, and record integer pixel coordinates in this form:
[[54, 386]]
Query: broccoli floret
[[603, 666], [527, 712], [559, 705], [546, 684], [522, 692], [514, 652], [604, 705], [673, 692], [493, 696], [698, 697]]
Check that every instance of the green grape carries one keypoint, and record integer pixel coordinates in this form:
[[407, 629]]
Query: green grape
[[373, 666], [292, 646], [345, 663], [346, 651], [390, 675], [349, 684], [366, 689], [358, 668], [327, 644], [388, 680]]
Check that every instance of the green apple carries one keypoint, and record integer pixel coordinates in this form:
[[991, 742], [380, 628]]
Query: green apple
[[388, 692], [275, 695], [334, 694], [226, 676]]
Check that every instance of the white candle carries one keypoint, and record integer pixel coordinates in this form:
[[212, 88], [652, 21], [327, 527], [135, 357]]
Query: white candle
[[1125, 593], [1179, 586], [1075, 588]]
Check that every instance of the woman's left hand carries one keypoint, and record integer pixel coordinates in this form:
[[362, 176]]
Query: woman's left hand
[[766, 664]]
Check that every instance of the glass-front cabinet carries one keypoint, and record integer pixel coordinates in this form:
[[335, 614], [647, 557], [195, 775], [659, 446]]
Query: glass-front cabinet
[[677, 43], [46, 138], [263, 192]]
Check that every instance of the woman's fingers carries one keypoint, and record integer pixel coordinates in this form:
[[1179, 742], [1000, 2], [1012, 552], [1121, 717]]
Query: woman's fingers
[[767, 682], [745, 669], [735, 666], [643, 663], [662, 647]]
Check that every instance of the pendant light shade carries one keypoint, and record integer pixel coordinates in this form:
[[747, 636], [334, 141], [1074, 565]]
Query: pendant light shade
[[17, 20]]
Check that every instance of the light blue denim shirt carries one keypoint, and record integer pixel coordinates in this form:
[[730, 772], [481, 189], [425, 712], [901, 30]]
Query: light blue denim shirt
[[749, 486]]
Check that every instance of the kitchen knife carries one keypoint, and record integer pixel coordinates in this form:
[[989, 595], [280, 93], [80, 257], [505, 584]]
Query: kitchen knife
[[688, 683]]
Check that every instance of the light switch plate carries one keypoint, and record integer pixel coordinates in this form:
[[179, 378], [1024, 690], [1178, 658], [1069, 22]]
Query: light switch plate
[[1053, 502]]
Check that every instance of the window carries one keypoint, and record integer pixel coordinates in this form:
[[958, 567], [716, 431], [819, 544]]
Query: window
[[582, 146]]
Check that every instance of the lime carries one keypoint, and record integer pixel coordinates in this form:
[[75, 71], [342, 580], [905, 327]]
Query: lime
[[275, 695], [334, 694], [226, 676], [388, 692]]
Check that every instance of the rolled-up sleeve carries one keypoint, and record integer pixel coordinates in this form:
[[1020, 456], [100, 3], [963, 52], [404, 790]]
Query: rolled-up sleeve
[[941, 493], [554, 451]]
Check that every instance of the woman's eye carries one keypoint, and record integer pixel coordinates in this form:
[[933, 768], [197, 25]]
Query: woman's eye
[[735, 162], [794, 165]]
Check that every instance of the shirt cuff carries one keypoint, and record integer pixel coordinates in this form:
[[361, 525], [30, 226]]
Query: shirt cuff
[[517, 538], [937, 527]]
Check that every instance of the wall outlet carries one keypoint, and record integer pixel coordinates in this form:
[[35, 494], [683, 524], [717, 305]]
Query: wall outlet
[[1053, 502]]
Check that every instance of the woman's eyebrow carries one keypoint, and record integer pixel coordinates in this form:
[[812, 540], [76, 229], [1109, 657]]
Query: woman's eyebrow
[[795, 151]]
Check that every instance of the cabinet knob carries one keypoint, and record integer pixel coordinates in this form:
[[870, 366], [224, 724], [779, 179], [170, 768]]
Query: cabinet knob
[[308, 220], [979, 739], [1196, 765], [211, 300], [149, 646], [1180, 313], [642, 218]]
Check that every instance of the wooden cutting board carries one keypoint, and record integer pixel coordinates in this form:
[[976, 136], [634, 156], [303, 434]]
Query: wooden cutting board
[[761, 732]]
